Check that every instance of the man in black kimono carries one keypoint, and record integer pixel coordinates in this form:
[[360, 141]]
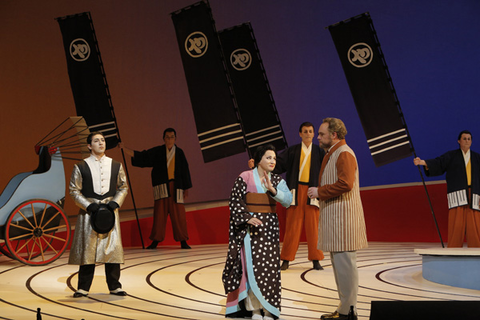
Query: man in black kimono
[[302, 164], [462, 168], [171, 181]]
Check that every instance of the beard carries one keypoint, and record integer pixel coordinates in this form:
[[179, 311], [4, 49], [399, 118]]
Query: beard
[[326, 145]]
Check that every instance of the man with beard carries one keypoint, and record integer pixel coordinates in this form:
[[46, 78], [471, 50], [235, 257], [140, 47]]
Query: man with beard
[[342, 226]]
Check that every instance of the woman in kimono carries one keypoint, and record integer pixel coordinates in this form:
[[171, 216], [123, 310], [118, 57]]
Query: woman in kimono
[[252, 270], [97, 180]]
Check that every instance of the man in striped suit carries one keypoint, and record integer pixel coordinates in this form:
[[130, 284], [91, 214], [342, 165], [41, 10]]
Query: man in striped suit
[[342, 226]]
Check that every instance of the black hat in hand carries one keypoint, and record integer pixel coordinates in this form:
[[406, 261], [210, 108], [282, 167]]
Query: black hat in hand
[[103, 219]]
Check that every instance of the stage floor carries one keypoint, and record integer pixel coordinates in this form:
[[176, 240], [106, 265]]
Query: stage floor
[[170, 283]]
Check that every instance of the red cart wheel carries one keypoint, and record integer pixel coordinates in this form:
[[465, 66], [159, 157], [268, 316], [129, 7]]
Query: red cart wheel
[[4, 250], [37, 232]]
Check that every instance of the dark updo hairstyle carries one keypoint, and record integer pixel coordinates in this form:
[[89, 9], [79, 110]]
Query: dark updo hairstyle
[[261, 151], [92, 134]]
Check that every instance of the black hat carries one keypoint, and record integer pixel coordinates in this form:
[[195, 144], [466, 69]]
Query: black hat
[[103, 219]]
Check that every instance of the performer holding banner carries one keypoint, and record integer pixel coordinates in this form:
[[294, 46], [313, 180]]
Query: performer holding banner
[[98, 183], [251, 277], [462, 168], [342, 225], [171, 181]]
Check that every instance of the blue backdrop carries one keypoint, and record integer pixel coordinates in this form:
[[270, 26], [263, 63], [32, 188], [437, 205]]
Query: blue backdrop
[[431, 48]]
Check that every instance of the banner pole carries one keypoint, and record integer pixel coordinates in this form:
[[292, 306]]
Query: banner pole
[[397, 102], [109, 98], [125, 165], [357, 44], [131, 193], [419, 169], [90, 87], [399, 108], [415, 155], [430, 203]]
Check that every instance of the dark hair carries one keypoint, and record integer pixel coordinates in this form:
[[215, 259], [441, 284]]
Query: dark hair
[[92, 134], [261, 151], [169, 130], [464, 132], [305, 124]]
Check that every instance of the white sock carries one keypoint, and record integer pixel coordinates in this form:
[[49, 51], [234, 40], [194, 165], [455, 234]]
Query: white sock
[[82, 291], [268, 315], [256, 315]]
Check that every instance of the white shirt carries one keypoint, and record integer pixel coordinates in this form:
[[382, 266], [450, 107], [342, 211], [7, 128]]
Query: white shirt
[[332, 146], [466, 156], [101, 172]]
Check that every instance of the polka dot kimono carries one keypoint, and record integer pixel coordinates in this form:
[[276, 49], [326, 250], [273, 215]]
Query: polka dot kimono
[[257, 246]]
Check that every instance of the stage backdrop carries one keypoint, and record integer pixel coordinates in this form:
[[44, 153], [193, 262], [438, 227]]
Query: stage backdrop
[[428, 45]]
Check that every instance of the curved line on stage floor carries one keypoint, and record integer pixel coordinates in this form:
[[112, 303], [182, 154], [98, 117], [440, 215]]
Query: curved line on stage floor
[[29, 287], [449, 294], [170, 283]]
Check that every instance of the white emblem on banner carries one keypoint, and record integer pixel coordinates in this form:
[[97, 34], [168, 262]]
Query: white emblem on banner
[[241, 59], [360, 55], [79, 50], [196, 44]]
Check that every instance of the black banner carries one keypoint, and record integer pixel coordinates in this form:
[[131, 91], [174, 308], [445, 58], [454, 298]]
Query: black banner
[[218, 127], [372, 89], [260, 120], [87, 76]]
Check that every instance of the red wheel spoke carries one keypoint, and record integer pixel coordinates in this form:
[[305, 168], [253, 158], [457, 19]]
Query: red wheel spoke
[[17, 250], [43, 213], [34, 216], [51, 247], [33, 249], [54, 237], [22, 227], [54, 228], [46, 224], [41, 248], [39, 240], [20, 212], [30, 253], [20, 237]]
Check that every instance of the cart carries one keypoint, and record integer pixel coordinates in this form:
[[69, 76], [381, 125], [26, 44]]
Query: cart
[[34, 228]]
